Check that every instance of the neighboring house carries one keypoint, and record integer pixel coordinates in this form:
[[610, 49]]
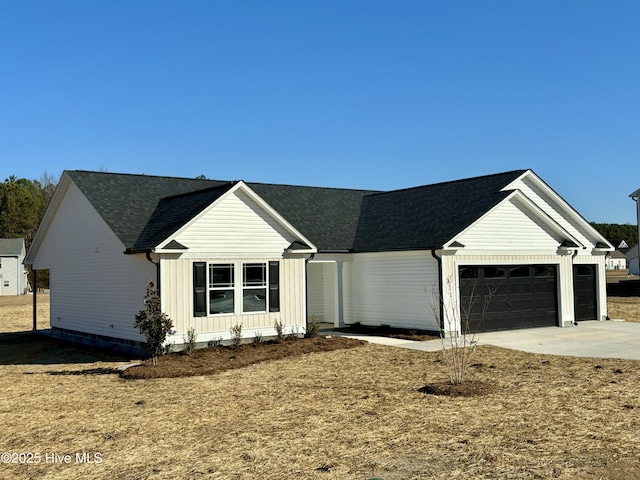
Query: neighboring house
[[632, 260], [228, 253], [13, 276], [616, 260], [619, 245]]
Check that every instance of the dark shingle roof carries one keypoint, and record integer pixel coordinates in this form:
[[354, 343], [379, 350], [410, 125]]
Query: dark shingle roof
[[429, 216], [174, 212], [127, 202], [145, 210], [328, 217]]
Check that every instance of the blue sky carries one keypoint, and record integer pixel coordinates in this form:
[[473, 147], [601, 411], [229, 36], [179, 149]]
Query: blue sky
[[357, 94]]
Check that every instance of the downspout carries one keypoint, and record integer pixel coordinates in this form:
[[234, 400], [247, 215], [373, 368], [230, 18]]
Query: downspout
[[157, 264], [440, 294]]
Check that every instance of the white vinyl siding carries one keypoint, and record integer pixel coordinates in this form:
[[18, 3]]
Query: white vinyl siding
[[234, 227], [177, 301], [234, 230], [95, 288], [394, 288], [510, 226], [556, 210], [322, 301], [12, 277]]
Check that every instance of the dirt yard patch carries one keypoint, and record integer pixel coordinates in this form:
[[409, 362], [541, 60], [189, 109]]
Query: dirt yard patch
[[347, 414]]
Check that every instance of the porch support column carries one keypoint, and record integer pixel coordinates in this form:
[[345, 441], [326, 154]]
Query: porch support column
[[339, 322], [35, 300]]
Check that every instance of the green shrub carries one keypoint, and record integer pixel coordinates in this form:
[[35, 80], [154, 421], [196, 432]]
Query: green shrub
[[190, 341], [236, 335], [279, 326], [313, 327], [154, 324]]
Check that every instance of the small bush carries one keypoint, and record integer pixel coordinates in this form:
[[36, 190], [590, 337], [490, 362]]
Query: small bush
[[153, 323], [313, 327], [216, 342], [236, 335], [190, 341], [257, 337], [279, 326]]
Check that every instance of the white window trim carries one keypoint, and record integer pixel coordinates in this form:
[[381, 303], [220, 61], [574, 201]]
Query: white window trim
[[239, 286]]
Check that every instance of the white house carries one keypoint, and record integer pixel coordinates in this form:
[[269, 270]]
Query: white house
[[616, 260], [228, 253], [13, 276]]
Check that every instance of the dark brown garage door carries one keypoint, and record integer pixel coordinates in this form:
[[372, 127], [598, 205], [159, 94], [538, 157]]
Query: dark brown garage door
[[584, 288], [508, 297]]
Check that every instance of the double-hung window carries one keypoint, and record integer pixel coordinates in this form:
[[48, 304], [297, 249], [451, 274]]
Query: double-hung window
[[254, 287], [221, 288]]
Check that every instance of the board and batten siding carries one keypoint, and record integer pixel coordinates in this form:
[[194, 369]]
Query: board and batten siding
[[177, 301], [394, 288], [76, 253]]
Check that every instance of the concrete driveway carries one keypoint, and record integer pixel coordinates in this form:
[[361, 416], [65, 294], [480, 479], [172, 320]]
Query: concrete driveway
[[589, 339]]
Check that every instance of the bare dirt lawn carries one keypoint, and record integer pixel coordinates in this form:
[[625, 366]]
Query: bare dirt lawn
[[353, 413]]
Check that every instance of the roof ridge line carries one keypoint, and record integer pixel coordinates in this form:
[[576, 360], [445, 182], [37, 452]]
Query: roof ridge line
[[460, 180]]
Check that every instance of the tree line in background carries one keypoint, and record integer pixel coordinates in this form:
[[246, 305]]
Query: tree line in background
[[22, 206], [616, 231]]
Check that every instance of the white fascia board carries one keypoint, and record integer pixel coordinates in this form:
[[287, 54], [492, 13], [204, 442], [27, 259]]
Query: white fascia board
[[255, 197], [532, 207], [61, 189], [562, 203], [169, 251], [306, 251]]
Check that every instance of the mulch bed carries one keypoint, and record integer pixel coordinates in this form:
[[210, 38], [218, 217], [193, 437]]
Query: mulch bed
[[209, 361], [468, 388], [388, 331]]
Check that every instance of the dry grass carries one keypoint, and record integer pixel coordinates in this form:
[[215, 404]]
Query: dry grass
[[348, 414], [16, 312], [625, 308], [623, 302]]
